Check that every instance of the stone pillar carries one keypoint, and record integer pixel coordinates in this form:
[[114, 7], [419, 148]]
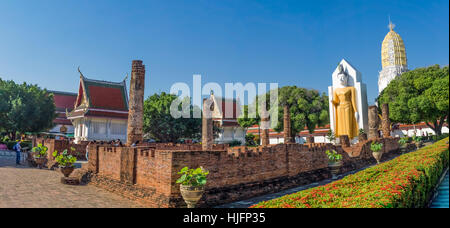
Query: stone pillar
[[386, 122], [127, 165], [265, 126], [373, 122], [207, 125], [344, 140], [287, 125], [136, 103]]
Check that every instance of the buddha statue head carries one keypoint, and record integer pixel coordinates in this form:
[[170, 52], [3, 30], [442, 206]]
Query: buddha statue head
[[342, 76]]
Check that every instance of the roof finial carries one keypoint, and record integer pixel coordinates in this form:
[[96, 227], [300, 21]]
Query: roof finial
[[81, 74], [126, 78], [391, 26]]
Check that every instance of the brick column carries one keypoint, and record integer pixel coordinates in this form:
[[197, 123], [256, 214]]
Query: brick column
[[265, 126], [373, 122], [344, 140], [127, 164], [207, 125], [136, 103], [265, 140], [386, 122], [287, 125]]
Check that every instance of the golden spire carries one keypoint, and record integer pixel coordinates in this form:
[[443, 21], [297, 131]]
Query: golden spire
[[391, 26], [393, 51]]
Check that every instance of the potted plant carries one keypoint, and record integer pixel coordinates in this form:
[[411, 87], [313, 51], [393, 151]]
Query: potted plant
[[362, 135], [65, 161], [418, 141], [403, 144], [192, 185], [334, 162], [330, 136], [376, 151], [40, 154]]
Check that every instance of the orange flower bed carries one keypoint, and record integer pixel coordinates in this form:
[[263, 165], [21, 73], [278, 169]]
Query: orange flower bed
[[404, 182]]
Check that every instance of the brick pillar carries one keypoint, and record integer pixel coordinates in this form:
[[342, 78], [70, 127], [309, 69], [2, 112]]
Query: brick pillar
[[136, 103], [93, 158], [373, 122], [287, 125], [386, 122], [265, 132], [265, 126], [344, 140], [128, 165], [207, 125]]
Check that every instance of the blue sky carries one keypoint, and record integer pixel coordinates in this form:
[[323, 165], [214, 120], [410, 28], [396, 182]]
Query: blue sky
[[289, 42]]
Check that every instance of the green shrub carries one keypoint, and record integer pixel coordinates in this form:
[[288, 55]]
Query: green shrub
[[375, 147], [333, 156], [64, 159], [192, 177], [250, 140], [404, 182], [235, 143], [40, 151]]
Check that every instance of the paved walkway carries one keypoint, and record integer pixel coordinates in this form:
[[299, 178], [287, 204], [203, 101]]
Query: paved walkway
[[21, 186], [441, 200]]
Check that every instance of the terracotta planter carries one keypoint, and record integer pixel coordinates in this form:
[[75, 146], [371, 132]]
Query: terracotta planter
[[377, 156], [335, 168], [66, 171], [191, 195], [40, 162]]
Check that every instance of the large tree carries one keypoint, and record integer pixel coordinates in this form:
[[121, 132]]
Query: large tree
[[160, 125], [25, 108], [308, 108], [420, 95]]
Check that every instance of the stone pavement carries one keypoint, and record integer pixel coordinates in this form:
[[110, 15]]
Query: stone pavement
[[21, 186]]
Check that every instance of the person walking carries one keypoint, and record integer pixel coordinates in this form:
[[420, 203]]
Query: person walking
[[18, 150]]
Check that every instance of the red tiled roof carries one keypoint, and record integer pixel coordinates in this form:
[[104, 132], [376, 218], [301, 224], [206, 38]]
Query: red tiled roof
[[64, 100], [107, 114], [62, 121], [106, 97]]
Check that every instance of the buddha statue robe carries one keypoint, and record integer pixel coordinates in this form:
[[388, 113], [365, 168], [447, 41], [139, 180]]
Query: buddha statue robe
[[344, 101]]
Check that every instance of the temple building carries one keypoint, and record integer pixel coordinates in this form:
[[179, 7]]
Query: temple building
[[100, 111], [393, 58], [63, 101], [230, 130]]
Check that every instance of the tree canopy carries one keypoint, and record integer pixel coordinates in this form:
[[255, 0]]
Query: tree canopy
[[161, 126], [419, 95], [25, 108], [308, 108]]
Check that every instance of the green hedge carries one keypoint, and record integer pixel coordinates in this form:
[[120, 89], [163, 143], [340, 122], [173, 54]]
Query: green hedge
[[24, 144], [404, 182]]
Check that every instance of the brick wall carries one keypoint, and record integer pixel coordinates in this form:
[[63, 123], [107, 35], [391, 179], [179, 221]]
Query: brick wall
[[109, 161], [61, 145], [149, 174]]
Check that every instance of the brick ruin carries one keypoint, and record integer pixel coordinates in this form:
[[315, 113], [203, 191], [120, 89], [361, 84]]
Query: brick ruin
[[136, 103], [385, 122], [148, 173]]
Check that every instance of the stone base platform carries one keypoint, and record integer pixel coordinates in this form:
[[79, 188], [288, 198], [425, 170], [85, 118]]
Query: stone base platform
[[70, 181]]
